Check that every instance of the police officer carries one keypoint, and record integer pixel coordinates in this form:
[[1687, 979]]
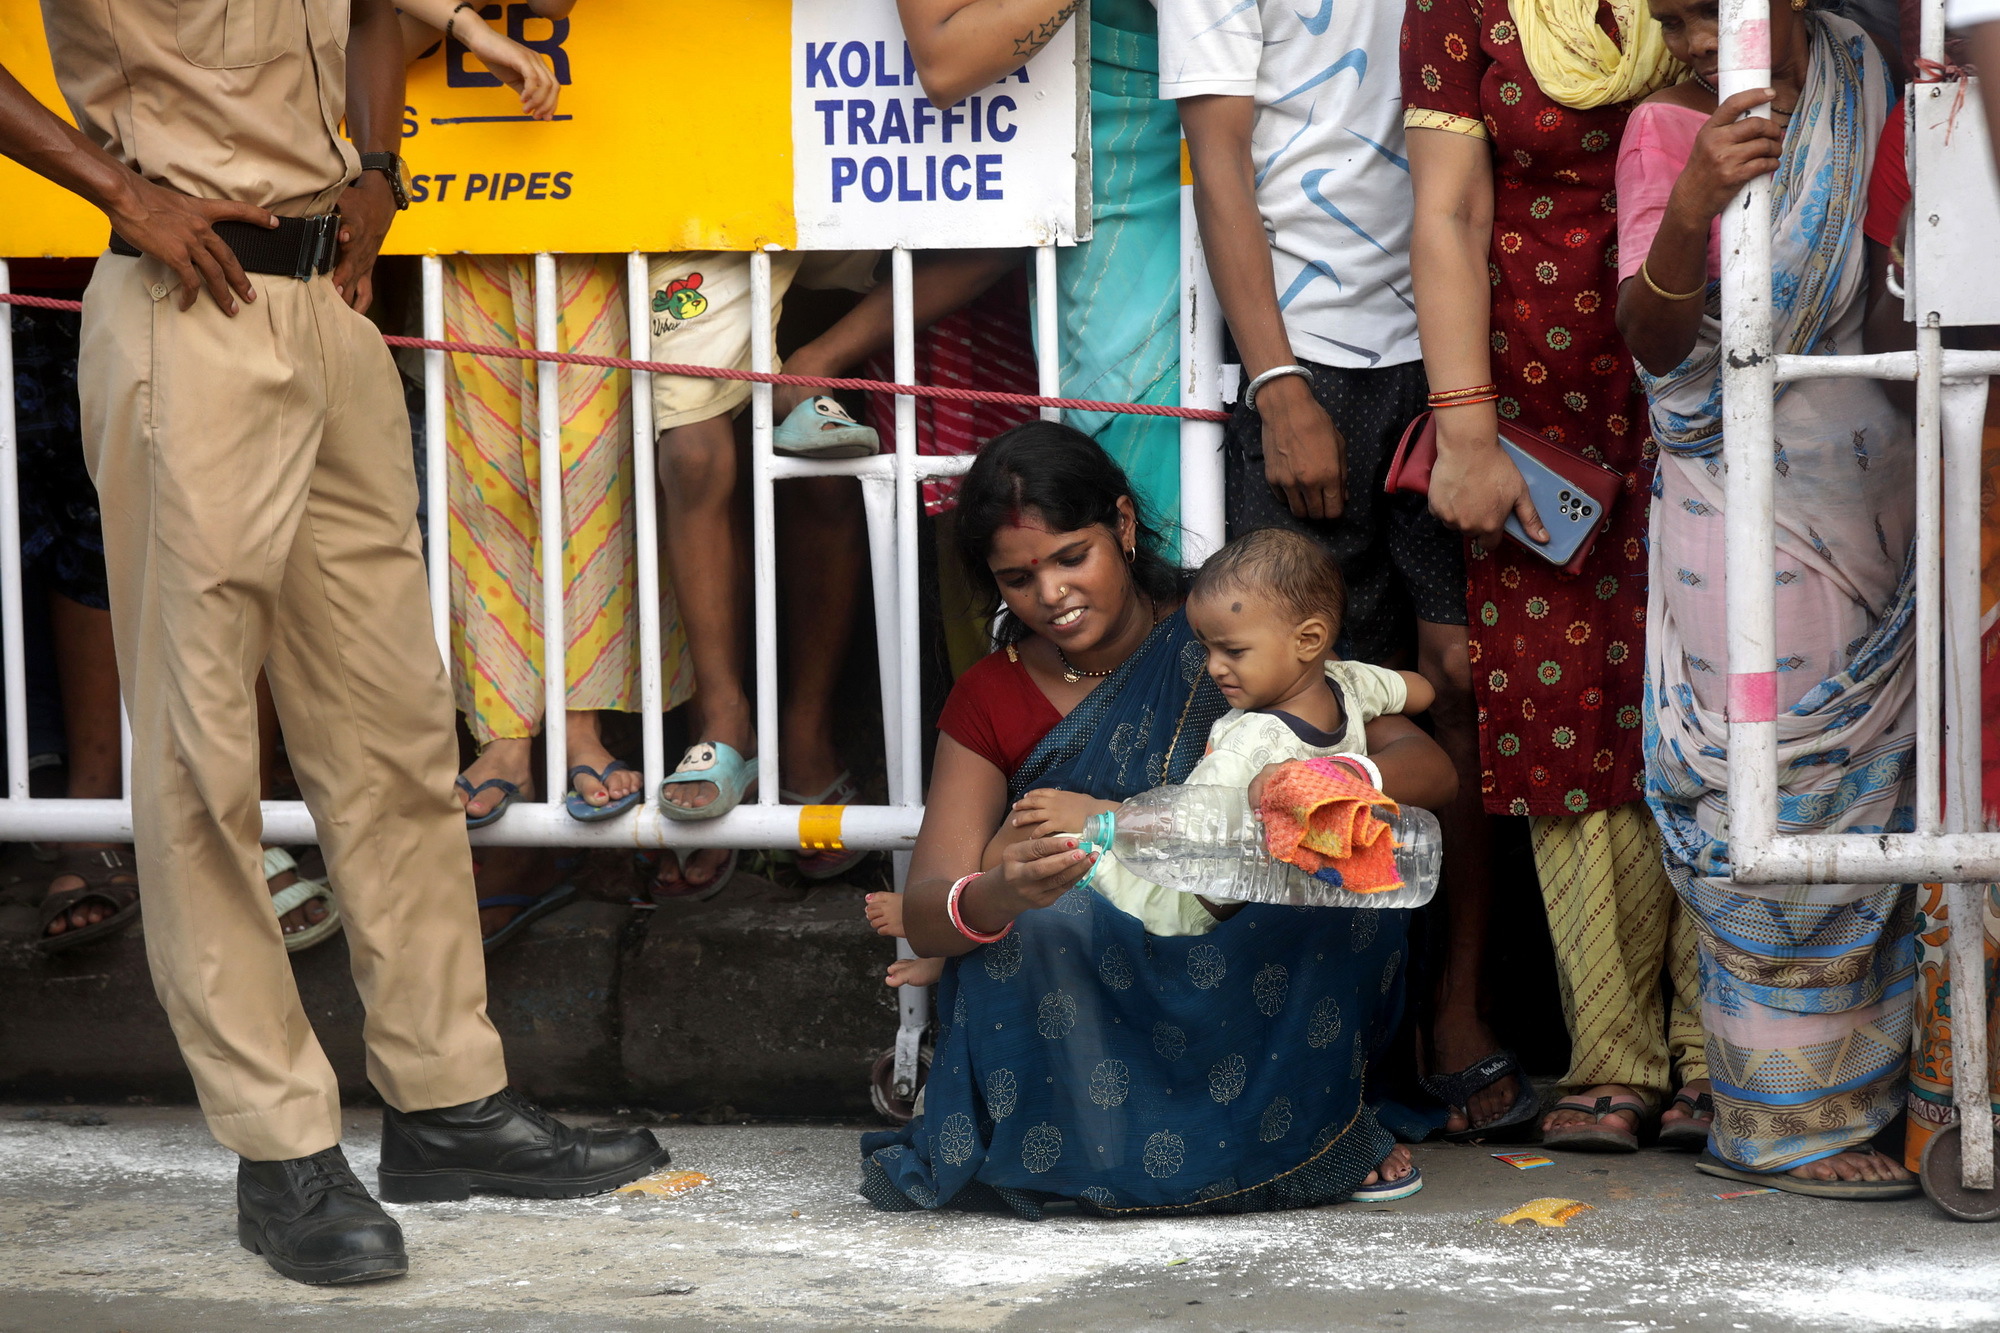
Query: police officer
[[246, 431]]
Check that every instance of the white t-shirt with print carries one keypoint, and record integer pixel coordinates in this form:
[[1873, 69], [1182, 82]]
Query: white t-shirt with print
[[1333, 179]]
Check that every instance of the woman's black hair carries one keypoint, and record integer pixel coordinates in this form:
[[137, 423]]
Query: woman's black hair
[[1065, 479]]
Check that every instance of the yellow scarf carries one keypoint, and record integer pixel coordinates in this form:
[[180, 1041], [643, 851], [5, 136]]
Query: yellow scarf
[[1576, 62]]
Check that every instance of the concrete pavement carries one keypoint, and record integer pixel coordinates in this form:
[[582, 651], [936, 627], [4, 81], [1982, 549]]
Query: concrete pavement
[[127, 1225]]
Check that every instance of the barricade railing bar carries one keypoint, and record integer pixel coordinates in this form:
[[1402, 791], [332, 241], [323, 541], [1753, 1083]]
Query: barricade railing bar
[[1945, 845], [891, 495]]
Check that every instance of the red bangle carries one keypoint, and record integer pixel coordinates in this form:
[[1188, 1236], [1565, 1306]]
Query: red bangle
[[1464, 402], [958, 922], [1471, 392]]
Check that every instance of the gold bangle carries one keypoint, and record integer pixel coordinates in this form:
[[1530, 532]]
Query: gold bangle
[[1658, 290]]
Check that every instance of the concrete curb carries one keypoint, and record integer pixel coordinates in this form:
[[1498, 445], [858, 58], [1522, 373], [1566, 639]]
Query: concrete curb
[[768, 1001]]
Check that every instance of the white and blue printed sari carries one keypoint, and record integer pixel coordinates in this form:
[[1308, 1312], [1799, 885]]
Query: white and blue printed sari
[[1806, 987]]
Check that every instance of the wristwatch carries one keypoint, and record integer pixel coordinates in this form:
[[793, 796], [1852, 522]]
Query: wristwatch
[[392, 166]]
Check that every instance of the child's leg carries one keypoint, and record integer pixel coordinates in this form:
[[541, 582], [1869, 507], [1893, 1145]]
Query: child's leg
[[885, 913], [916, 972]]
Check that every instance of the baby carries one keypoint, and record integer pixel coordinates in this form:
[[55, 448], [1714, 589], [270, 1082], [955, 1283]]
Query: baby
[[1268, 608]]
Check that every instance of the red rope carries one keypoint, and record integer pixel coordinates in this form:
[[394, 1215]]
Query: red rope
[[754, 376]]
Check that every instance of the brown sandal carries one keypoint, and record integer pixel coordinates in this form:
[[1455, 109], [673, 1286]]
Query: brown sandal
[[1691, 1134], [108, 877], [1594, 1135]]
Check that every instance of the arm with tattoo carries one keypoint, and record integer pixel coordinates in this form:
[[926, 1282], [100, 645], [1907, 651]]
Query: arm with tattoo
[[960, 46]]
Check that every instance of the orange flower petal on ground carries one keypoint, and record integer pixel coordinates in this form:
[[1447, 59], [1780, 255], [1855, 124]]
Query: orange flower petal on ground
[[666, 1184], [1545, 1212]]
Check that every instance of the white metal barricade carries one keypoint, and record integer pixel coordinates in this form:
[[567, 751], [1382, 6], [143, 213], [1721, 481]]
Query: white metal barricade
[[891, 492], [1946, 845]]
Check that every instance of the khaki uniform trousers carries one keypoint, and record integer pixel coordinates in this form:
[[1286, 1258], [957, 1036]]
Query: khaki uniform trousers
[[259, 507]]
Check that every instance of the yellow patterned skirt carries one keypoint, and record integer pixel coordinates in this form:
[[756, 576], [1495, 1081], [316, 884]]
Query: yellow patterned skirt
[[493, 432]]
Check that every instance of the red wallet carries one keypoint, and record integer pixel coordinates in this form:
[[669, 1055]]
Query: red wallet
[[1416, 455]]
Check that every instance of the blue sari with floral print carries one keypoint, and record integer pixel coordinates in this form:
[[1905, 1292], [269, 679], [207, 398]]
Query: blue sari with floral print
[[1082, 1059]]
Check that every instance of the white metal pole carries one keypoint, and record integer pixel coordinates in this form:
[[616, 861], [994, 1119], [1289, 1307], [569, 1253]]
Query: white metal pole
[[1930, 626], [555, 642], [913, 1005], [436, 446], [13, 655], [1048, 331], [1964, 405], [1202, 517], [908, 498], [1748, 390], [764, 531], [878, 503], [645, 523]]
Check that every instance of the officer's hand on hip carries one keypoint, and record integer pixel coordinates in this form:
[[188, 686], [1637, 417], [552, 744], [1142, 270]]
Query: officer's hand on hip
[[366, 210], [179, 230]]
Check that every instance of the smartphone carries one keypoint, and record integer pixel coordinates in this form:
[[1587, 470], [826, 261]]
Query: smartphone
[[1567, 512]]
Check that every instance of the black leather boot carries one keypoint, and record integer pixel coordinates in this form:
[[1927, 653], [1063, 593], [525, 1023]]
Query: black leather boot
[[314, 1222], [505, 1144]]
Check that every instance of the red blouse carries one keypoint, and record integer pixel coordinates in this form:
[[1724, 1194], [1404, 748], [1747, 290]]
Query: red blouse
[[998, 712]]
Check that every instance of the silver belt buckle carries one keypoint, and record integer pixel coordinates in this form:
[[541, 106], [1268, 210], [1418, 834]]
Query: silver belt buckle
[[317, 246]]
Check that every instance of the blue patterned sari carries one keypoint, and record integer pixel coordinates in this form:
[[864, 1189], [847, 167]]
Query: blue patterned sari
[[1082, 1059]]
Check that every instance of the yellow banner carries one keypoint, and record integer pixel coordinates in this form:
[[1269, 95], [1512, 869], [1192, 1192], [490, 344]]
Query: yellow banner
[[673, 133]]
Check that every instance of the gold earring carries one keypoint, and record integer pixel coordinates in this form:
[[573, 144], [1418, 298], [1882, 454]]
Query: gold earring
[[1798, 5]]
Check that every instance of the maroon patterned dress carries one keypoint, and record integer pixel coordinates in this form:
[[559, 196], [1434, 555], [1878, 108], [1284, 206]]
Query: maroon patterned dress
[[1556, 658]]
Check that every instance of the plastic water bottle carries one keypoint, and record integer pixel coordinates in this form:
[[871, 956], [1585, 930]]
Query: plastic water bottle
[[1208, 840]]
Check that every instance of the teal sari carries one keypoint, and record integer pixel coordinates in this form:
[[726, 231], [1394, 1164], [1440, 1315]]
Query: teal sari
[[1120, 290]]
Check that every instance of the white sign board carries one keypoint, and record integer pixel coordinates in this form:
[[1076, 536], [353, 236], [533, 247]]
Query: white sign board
[[1954, 265], [877, 165]]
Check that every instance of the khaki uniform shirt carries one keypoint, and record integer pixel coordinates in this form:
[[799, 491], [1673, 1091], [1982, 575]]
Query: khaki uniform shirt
[[228, 99]]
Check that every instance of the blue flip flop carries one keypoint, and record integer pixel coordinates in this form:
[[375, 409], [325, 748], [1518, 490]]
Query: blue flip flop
[[532, 909], [1388, 1191], [509, 793], [710, 761], [821, 428], [583, 811]]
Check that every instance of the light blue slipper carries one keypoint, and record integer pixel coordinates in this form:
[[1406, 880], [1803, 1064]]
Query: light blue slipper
[[1388, 1191], [710, 761], [820, 428]]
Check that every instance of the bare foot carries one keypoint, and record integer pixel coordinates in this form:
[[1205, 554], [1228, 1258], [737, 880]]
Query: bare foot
[[1394, 1167], [916, 972], [504, 758], [1623, 1119], [885, 913], [1854, 1164], [1459, 1041], [1675, 1114], [586, 747]]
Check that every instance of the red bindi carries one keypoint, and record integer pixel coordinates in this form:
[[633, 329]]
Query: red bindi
[[1033, 562]]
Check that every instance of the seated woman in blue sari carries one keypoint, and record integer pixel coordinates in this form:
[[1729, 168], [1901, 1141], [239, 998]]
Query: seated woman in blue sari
[[1079, 1058]]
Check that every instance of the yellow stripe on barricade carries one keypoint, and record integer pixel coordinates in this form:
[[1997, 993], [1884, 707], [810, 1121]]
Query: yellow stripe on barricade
[[819, 827]]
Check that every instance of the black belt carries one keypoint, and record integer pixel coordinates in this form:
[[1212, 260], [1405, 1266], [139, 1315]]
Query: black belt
[[295, 248]]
